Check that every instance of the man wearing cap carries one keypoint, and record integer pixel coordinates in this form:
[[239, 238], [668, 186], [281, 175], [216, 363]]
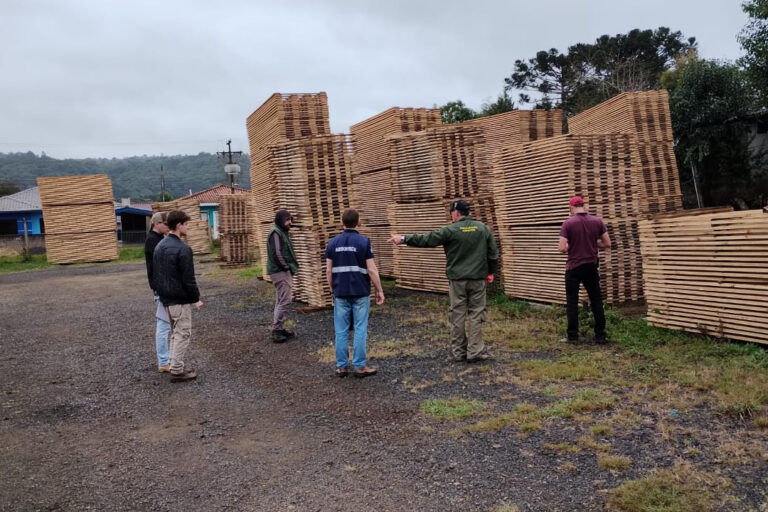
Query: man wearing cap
[[163, 327], [281, 267], [471, 259], [580, 237]]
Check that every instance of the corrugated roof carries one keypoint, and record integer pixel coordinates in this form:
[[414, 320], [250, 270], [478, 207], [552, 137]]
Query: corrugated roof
[[211, 195], [24, 201]]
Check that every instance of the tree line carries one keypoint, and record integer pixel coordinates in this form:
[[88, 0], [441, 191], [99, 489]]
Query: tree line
[[137, 177], [712, 103]]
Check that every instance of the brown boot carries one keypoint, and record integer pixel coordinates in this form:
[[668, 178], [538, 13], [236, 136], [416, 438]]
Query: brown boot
[[187, 374], [364, 372]]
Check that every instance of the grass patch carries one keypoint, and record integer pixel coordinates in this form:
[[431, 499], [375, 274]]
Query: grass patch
[[131, 253], [608, 461], [393, 348], [591, 444], [250, 272], [451, 409], [680, 489], [761, 422], [19, 263], [562, 447], [578, 366], [506, 507], [601, 430]]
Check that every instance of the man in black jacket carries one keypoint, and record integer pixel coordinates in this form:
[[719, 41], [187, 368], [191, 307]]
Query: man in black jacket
[[174, 278], [162, 327]]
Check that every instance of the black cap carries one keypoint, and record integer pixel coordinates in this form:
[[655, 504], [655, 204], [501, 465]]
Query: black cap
[[461, 206]]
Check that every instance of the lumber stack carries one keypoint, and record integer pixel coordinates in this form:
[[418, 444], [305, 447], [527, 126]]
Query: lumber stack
[[705, 272], [372, 181], [533, 183], [79, 215], [646, 115], [235, 227], [311, 178], [198, 231], [517, 126]]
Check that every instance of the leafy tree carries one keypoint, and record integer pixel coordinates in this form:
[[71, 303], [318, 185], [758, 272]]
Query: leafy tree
[[456, 112], [754, 40], [8, 187], [590, 73], [165, 196], [706, 99], [502, 104]]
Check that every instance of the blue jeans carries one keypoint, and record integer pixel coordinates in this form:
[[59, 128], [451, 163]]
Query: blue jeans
[[346, 311], [162, 332]]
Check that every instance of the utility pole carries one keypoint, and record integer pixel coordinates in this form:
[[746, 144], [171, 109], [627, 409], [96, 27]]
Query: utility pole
[[162, 184], [230, 167]]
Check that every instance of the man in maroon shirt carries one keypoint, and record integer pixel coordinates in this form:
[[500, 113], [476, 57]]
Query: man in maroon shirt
[[580, 237]]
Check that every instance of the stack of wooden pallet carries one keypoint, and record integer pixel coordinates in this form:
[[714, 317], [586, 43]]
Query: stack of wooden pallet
[[533, 183], [372, 181], [311, 178], [198, 231], [705, 272], [434, 167], [235, 227], [79, 214], [646, 115]]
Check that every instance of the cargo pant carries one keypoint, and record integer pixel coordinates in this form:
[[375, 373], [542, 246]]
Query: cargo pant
[[181, 334], [467, 306], [283, 282]]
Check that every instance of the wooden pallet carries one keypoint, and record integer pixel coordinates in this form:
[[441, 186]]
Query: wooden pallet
[[198, 231], [705, 272]]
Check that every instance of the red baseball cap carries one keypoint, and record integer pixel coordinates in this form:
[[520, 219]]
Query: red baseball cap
[[576, 201]]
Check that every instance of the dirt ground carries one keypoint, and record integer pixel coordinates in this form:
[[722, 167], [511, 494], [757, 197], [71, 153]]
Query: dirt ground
[[89, 424]]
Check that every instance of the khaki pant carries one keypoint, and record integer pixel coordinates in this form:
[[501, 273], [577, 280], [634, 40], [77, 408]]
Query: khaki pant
[[181, 334], [283, 282], [467, 304]]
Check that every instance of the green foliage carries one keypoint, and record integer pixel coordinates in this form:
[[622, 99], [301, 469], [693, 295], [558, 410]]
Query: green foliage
[[456, 112], [8, 187], [705, 99], [136, 177], [513, 307], [250, 272], [502, 104], [754, 40], [452, 408], [659, 492], [21, 263], [590, 73]]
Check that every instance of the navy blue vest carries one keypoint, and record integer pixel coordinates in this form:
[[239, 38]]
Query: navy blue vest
[[349, 252]]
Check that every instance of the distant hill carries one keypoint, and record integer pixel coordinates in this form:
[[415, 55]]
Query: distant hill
[[137, 177]]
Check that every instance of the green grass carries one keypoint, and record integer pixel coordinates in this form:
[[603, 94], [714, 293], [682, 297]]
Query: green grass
[[608, 461], [452, 409], [131, 253], [250, 272], [19, 263], [663, 490]]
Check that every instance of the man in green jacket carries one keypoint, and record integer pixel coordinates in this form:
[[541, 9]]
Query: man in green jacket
[[472, 258], [281, 267]]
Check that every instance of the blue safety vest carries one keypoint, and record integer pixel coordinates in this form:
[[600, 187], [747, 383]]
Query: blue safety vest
[[349, 252]]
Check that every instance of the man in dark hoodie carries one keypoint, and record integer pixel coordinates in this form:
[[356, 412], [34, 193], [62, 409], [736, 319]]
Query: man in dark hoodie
[[163, 327], [174, 276], [281, 267]]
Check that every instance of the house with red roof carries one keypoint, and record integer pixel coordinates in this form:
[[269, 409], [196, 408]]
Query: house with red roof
[[209, 203]]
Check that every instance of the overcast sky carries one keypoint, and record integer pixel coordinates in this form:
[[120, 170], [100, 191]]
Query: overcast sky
[[101, 78]]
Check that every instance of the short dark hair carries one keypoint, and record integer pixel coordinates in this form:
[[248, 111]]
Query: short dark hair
[[460, 206], [175, 218], [350, 218]]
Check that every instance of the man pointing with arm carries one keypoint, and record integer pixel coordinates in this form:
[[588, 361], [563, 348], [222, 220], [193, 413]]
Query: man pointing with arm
[[471, 260]]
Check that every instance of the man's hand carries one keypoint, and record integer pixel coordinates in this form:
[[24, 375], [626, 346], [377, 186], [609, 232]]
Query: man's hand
[[396, 239], [490, 278], [198, 305], [380, 297]]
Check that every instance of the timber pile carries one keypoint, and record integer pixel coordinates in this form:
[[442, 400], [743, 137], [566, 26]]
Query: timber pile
[[517, 126], [235, 227], [646, 115], [372, 172], [533, 183], [198, 231], [79, 215], [311, 178], [705, 272]]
